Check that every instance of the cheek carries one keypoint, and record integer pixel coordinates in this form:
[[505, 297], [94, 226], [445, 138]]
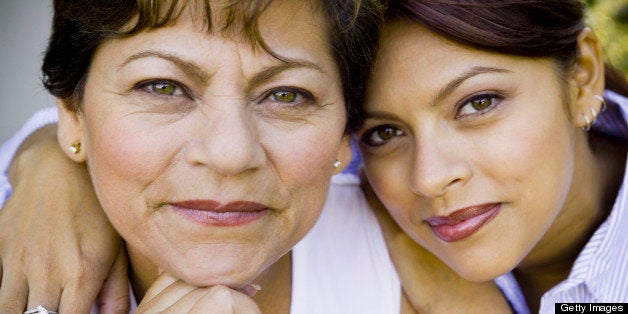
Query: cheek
[[534, 161], [126, 150], [125, 158], [388, 176], [304, 160], [530, 168]]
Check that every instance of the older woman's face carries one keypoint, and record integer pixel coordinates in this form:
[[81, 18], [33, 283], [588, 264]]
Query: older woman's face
[[471, 152], [212, 158]]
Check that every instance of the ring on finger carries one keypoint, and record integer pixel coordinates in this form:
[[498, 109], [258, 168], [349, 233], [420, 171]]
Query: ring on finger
[[40, 309]]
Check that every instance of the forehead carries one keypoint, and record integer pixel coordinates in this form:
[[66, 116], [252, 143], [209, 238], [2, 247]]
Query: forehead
[[405, 41], [414, 65], [287, 29], [258, 21], [412, 52]]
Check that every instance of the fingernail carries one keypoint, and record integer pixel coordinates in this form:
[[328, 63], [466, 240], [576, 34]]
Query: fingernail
[[250, 289]]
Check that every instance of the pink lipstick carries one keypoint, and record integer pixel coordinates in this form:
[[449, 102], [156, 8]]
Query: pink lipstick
[[210, 212], [463, 222]]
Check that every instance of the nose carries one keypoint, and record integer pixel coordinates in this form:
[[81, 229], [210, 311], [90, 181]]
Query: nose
[[439, 165], [227, 142]]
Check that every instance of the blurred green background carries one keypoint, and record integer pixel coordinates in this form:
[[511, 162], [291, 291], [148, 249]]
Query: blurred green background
[[609, 18]]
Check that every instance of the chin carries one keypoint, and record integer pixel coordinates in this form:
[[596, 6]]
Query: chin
[[480, 271], [234, 275], [478, 276]]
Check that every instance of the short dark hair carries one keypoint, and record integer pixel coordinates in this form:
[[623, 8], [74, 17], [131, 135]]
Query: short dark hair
[[79, 26]]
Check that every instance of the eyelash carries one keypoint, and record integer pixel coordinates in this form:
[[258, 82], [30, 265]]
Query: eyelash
[[304, 96], [182, 97], [149, 85], [367, 139], [493, 98]]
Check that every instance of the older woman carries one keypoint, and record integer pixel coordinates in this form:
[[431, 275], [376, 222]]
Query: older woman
[[210, 131]]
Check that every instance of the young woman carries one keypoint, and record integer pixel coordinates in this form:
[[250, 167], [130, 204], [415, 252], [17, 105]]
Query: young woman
[[485, 142]]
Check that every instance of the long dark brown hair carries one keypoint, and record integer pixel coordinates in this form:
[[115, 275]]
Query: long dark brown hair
[[528, 28]]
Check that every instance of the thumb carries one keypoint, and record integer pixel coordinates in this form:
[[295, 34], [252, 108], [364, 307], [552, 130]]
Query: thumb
[[114, 296]]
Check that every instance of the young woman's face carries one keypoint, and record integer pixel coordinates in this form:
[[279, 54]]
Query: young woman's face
[[471, 152], [211, 158]]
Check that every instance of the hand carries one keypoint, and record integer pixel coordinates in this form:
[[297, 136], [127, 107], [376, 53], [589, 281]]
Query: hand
[[57, 247], [170, 295]]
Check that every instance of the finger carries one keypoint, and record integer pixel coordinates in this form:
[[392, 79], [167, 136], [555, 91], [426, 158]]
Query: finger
[[250, 289], [163, 282], [114, 296], [79, 295], [13, 293], [43, 291], [241, 303], [215, 300], [183, 304], [165, 292]]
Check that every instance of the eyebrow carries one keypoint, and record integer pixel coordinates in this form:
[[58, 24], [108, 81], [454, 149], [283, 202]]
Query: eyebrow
[[198, 73], [188, 67], [287, 64], [381, 115], [451, 86], [444, 92]]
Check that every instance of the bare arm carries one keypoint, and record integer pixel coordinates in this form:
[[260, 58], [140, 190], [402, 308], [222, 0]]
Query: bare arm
[[57, 247]]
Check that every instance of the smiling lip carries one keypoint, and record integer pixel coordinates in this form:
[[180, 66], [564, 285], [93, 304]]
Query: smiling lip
[[463, 222], [210, 212]]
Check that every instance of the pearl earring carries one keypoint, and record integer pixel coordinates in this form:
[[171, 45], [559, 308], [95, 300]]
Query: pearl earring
[[75, 148]]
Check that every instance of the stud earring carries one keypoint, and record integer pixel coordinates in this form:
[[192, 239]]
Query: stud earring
[[75, 148], [337, 164]]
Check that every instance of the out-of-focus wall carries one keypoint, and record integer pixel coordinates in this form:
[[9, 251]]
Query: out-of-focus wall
[[24, 31]]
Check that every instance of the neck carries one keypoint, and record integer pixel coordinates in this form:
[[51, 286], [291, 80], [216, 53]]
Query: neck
[[598, 173], [275, 281]]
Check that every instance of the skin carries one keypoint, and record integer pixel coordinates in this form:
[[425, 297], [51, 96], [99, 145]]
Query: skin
[[75, 285], [431, 148], [178, 114], [573, 99]]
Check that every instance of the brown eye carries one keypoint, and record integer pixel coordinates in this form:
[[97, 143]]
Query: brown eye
[[481, 103], [380, 135], [478, 105], [386, 133]]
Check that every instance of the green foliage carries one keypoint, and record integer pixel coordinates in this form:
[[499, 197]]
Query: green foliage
[[609, 18]]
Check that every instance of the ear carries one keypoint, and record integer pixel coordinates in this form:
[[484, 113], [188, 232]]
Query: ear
[[70, 131], [344, 154], [588, 79]]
